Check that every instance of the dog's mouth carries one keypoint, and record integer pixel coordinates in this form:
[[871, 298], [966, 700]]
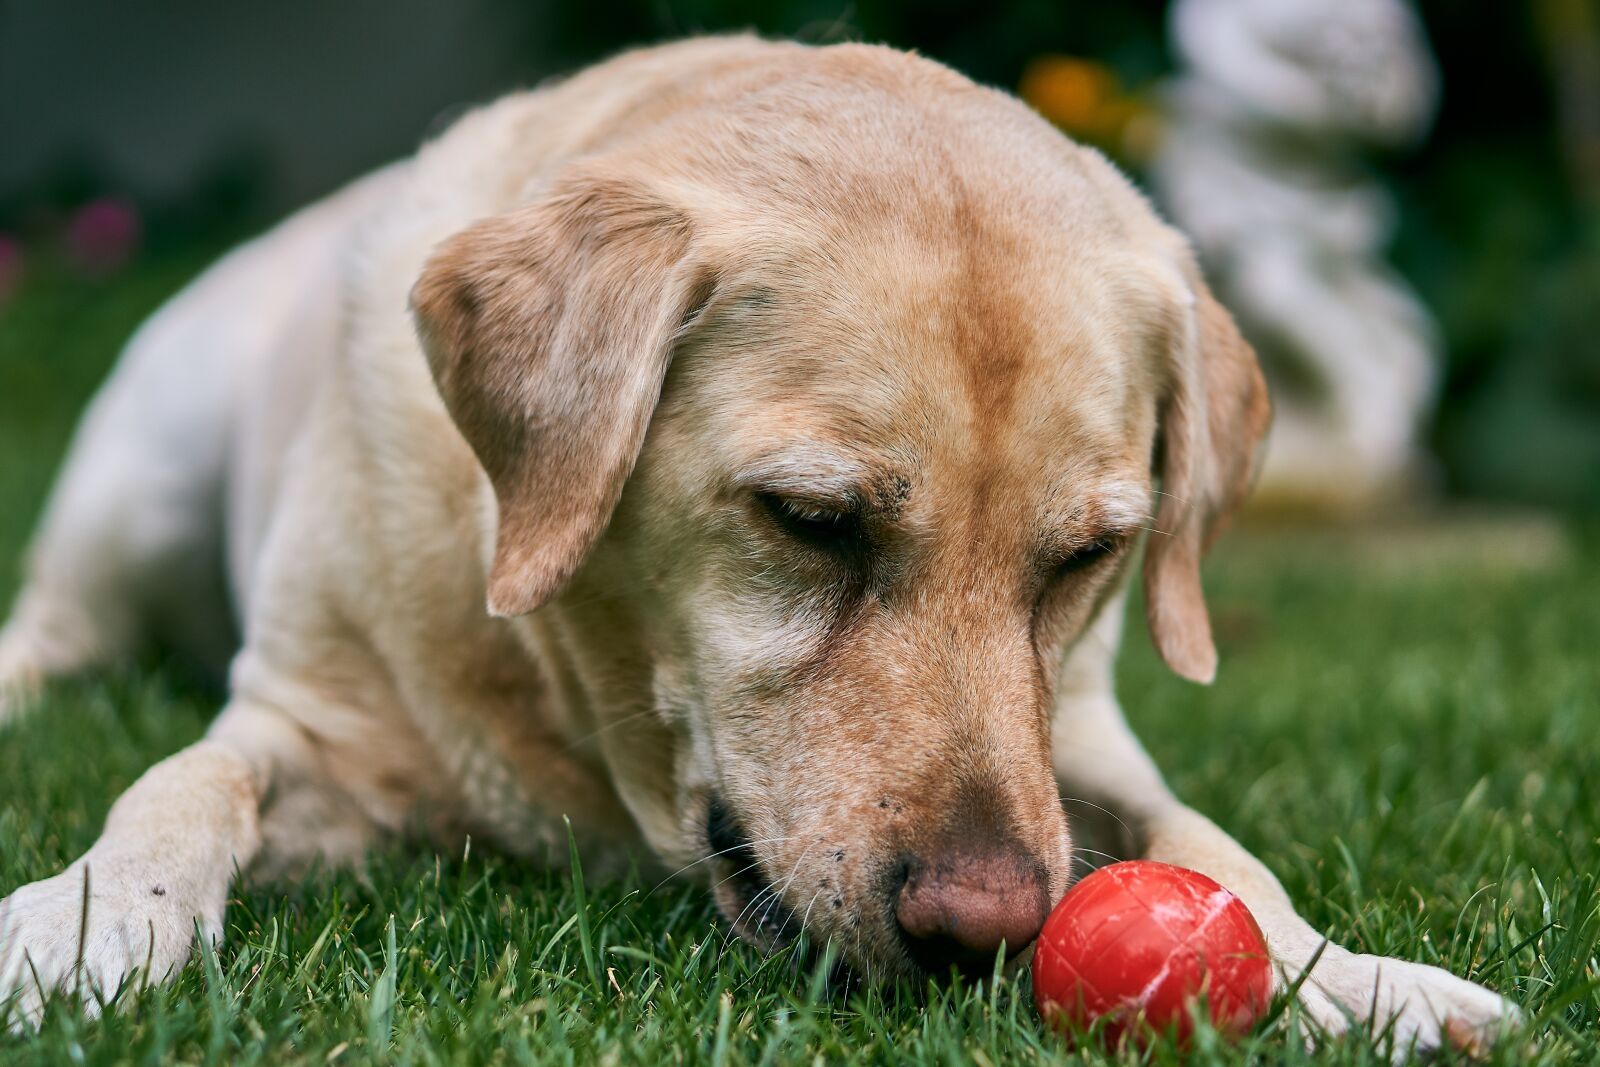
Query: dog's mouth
[[744, 893]]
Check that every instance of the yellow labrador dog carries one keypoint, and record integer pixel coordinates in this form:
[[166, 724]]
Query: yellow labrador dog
[[741, 448]]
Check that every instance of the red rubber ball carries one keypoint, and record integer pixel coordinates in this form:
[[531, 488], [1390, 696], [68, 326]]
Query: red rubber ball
[[1137, 943]]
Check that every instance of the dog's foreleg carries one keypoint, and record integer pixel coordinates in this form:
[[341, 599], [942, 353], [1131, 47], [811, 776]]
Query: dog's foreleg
[[160, 870]]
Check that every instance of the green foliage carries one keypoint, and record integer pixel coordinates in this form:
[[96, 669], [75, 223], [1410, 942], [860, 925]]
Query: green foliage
[[1501, 235], [990, 42]]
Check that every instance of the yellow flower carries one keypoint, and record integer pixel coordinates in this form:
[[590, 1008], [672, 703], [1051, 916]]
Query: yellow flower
[[1086, 100]]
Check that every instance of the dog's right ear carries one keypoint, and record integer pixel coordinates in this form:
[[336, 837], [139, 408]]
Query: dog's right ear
[[549, 331]]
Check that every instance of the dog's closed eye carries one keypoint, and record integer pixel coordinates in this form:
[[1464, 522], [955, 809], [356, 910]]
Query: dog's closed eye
[[817, 525], [1088, 556]]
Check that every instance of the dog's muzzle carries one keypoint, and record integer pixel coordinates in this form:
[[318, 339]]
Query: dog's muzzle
[[741, 887]]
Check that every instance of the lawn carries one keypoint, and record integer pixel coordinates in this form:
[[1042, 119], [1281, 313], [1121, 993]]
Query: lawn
[[1406, 729]]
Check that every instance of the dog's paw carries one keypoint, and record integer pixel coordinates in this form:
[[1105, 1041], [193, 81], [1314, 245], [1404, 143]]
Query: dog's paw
[[1418, 1006], [62, 935]]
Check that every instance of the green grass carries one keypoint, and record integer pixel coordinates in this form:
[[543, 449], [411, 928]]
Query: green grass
[[1414, 750]]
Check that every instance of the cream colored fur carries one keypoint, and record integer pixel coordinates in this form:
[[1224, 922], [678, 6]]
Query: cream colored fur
[[503, 558]]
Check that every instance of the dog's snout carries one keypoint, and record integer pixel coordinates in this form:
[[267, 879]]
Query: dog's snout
[[957, 908]]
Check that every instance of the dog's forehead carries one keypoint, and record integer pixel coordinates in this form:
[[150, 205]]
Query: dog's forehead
[[965, 290], [993, 357]]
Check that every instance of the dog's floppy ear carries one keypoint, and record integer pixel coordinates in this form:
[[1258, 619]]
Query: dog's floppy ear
[[549, 330], [1213, 419]]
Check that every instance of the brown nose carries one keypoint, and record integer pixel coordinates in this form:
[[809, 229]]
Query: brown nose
[[956, 909]]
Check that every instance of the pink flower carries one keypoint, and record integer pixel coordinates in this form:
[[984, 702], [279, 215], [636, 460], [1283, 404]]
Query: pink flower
[[10, 266], [103, 236]]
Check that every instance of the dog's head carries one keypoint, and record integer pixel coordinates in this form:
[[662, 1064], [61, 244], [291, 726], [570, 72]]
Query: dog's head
[[822, 453]]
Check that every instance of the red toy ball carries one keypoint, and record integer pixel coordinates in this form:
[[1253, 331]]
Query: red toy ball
[[1137, 943]]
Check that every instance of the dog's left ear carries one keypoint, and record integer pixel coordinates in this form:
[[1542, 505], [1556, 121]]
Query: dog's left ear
[[1215, 414], [549, 331]]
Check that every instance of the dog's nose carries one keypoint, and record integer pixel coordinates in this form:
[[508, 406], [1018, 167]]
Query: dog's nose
[[956, 909]]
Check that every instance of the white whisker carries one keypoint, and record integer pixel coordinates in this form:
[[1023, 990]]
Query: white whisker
[[714, 855], [1065, 799], [773, 893]]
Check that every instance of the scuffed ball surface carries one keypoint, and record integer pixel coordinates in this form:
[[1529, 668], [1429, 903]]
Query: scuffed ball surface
[[1144, 940]]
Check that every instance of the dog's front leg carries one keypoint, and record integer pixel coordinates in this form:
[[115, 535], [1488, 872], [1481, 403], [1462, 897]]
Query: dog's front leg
[[1099, 761], [162, 865]]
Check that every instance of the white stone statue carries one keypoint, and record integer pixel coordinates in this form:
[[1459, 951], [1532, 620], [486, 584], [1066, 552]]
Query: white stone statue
[[1261, 165]]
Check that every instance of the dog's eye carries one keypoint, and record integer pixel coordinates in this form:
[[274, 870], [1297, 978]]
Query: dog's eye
[[810, 522], [1087, 557]]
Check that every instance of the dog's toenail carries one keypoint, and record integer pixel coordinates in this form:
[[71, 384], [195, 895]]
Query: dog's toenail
[[159, 890], [1465, 1038]]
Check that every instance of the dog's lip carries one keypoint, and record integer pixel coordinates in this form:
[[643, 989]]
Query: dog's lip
[[747, 898]]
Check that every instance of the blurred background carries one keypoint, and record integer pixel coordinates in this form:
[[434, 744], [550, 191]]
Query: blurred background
[[1401, 203]]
